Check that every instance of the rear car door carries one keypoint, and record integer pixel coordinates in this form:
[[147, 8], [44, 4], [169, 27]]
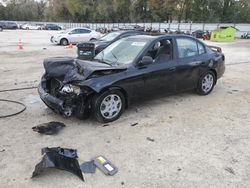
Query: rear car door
[[85, 35], [191, 56]]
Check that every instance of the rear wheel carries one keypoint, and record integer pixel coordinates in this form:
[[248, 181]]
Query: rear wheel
[[64, 42], [206, 83], [108, 106]]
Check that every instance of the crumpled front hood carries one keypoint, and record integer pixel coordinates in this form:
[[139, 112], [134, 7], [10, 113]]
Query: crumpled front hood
[[69, 69]]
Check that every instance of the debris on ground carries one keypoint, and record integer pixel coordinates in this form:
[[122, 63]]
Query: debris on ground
[[105, 125], [150, 139], [3, 150], [134, 124], [122, 183], [230, 170], [60, 158], [88, 167], [105, 166], [50, 128]]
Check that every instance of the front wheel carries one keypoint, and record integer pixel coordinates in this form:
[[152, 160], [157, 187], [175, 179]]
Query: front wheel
[[64, 42], [206, 83], [108, 106]]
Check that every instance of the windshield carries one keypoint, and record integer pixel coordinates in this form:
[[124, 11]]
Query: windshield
[[109, 36], [123, 51]]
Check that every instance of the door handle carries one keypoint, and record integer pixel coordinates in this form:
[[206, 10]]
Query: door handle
[[172, 69]]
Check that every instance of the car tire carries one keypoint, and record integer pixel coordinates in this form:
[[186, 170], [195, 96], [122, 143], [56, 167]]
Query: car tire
[[27, 28], [1, 29], [206, 83], [64, 42], [108, 106]]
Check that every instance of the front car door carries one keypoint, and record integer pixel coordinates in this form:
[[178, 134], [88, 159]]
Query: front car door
[[73, 36], [158, 76]]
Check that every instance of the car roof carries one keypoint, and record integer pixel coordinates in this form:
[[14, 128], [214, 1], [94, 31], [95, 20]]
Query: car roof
[[127, 31], [150, 37], [80, 28]]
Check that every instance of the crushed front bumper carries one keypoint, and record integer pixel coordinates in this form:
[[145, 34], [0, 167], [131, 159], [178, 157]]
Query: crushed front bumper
[[66, 104], [51, 101]]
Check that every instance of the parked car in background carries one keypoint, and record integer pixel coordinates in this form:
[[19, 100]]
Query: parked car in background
[[1, 26], [8, 25], [130, 69], [75, 36], [126, 27], [131, 27], [139, 28], [198, 34], [88, 50], [52, 27], [115, 28], [30, 26], [246, 35]]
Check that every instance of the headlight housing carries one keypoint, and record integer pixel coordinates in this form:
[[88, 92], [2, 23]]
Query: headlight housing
[[68, 89]]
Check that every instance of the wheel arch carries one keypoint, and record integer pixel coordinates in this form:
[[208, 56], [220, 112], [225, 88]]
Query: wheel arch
[[215, 74], [63, 38]]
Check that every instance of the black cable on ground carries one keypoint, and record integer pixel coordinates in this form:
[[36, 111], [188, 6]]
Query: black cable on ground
[[17, 89], [16, 113]]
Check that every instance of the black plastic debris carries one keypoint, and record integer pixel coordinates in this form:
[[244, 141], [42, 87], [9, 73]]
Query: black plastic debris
[[150, 139], [60, 158], [50, 128], [88, 167], [230, 170], [134, 124]]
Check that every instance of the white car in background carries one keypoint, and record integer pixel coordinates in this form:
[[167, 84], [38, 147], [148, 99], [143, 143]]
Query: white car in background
[[75, 36], [31, 26]]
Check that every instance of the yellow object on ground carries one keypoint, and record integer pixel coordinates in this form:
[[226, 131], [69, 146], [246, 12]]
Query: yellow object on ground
[[224, 34]]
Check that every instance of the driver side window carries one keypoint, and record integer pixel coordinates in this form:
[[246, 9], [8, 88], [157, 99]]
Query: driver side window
[[75, 31], [161, 51]]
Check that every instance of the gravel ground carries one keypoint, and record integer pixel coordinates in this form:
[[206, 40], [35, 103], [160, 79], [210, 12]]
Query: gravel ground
[[193, 141]]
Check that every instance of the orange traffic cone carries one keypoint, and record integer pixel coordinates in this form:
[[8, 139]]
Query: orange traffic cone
[[20, 45], [70, 45]]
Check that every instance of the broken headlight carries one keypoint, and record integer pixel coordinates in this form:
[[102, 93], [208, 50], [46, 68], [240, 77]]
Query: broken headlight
[[71, 89]]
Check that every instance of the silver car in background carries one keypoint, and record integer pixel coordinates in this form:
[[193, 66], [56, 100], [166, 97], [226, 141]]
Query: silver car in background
[[75, 36]]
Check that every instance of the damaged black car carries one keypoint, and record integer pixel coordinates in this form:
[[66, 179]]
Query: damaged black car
[[130, 68]]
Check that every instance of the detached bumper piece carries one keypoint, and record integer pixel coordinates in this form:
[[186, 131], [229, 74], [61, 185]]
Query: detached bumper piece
[[60, 158]]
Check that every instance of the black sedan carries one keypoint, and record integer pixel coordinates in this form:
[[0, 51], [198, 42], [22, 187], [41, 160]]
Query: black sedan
[[88, 50], [52, 27], [8, 25], [129, 69]]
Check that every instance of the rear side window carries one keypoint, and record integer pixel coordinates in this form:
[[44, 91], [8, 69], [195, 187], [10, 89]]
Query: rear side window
[[187, 47], [201, 48]]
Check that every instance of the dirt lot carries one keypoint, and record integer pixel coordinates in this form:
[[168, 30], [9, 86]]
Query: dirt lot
[[198, 141]]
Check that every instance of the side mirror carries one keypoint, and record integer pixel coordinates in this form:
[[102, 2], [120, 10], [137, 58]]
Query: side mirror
[[70, 33], [146, 60]]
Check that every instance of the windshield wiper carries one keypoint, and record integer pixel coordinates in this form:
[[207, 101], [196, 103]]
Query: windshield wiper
[[102, 61], [114, 57]]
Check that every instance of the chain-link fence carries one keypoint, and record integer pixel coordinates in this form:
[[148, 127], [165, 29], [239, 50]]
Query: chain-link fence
[[185, 27]]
